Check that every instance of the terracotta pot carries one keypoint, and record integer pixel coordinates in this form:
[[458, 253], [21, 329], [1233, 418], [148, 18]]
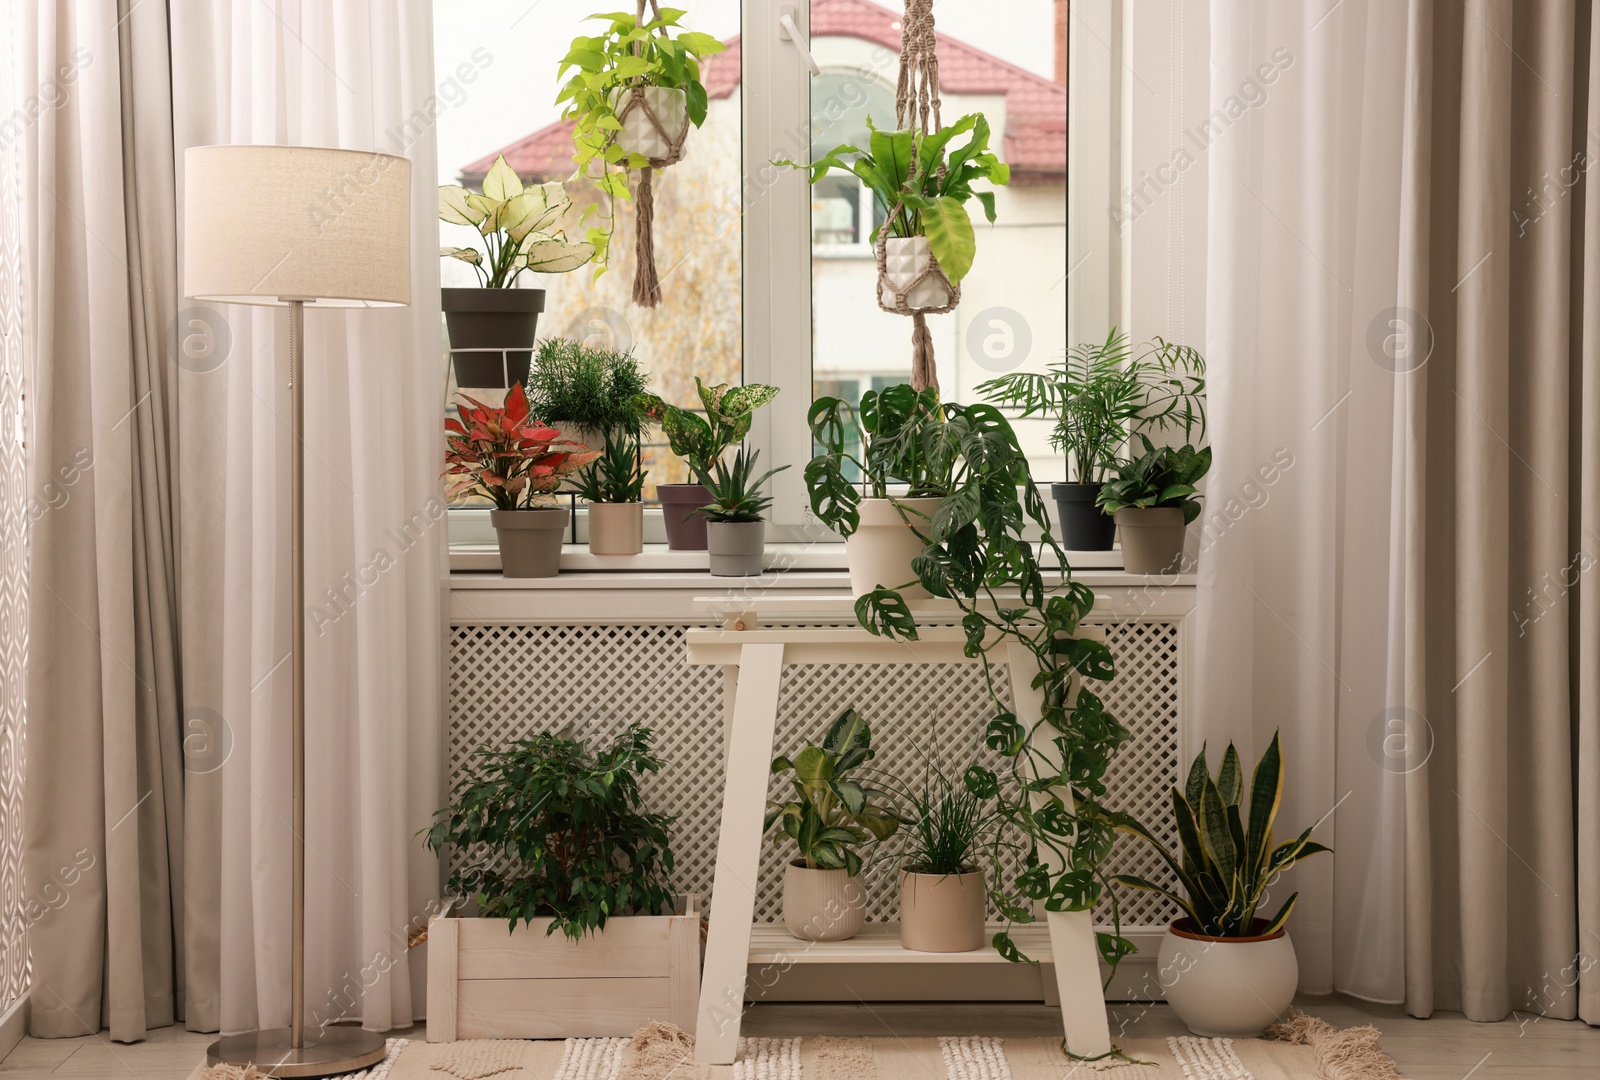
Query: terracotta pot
[[1084, 526], [822, 905], [1227, 988], [491, 319], [942, 912], [905, 257], [616, 528], [530, 540], [1152, 539], [686, 530], [737, 547], [880, 551]]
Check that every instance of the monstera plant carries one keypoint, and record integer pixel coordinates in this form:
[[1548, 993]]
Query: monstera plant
[[701, 441], [518, 228]]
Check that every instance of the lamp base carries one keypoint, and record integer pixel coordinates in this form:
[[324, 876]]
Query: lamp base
[[333, 1050]]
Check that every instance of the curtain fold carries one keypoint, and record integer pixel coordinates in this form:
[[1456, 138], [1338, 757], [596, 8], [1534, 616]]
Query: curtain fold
[[356, 75], [1403, 292], [103, 802]]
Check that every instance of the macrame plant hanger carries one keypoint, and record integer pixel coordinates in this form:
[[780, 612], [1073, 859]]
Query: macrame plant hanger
[[646, 285], [916, 105]]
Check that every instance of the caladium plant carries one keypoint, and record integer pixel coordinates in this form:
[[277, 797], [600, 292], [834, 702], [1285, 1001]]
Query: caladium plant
[[503, 456], [517, 224]]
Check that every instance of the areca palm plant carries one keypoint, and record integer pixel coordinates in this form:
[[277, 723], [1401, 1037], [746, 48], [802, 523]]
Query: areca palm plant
[[1227, 862], [1099, 393]]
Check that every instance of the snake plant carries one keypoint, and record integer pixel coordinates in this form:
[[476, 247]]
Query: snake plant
[[1228, 861]]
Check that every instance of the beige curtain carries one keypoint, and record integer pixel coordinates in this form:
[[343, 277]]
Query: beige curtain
[[104, 793], [1501, 258]]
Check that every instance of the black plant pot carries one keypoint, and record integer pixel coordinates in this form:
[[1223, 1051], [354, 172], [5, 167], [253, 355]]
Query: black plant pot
[[492, 319], [1083, 526]]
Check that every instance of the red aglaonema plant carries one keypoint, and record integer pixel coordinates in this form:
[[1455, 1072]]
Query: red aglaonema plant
[[505, 457]]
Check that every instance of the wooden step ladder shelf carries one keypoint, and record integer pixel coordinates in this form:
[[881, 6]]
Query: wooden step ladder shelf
[[753, 658]]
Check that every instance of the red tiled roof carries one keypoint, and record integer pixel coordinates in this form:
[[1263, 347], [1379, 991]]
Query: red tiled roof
[[1036, 108]]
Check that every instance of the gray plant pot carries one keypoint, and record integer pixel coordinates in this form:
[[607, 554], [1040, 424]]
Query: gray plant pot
[[1084, 526], [1152, 539], [686, 530], [491, 319], [530, 540], [736, 547]]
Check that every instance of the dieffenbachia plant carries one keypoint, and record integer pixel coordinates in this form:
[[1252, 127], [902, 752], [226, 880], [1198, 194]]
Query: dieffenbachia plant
[[978, 552], [517, 225], [1227, 861], [702, 440], [831, 814]]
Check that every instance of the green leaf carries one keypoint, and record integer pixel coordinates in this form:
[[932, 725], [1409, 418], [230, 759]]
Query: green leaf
[[950, 237], [501, 182], [1266, 792], [1277, 921], [813, 767], [1230, 779], [884, 612]]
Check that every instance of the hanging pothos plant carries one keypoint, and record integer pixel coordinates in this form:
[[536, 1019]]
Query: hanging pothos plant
[[633, 92], [978, 554]]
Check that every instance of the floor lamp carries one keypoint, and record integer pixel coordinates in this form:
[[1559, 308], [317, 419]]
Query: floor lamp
[[297, 226]]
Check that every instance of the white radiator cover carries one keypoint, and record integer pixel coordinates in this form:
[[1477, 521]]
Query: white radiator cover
[[582, 663]]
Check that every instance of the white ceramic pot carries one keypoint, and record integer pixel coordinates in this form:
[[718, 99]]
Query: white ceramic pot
[[880, 551], [639, 135], [822, 905], [942, 912], [616, 528], [1227, 988], [904, 259], [1152, 539]]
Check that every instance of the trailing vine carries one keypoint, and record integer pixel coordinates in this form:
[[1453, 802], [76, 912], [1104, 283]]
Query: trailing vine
[[978, 553]]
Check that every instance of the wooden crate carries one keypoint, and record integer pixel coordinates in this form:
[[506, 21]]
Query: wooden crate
[[488, 982]]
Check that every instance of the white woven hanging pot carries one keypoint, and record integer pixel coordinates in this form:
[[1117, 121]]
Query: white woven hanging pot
[[655, 124]]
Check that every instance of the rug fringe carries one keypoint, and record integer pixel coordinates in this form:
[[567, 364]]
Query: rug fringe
[[1342, 1054], [226, 1071], [657, 1051]]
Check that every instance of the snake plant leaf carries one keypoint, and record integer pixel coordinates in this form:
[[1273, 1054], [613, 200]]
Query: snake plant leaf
[[1199, 772], [1266, 792], [1230, 814], [951, 238], [1214, 832], [1282, 916], [1149, 886], [1230, 780], [1288, 854]]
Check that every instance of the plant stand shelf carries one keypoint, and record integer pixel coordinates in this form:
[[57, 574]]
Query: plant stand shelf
[[753, 659]]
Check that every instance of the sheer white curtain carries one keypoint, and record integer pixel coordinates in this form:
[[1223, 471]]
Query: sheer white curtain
[[1299, 616], [358, 75]]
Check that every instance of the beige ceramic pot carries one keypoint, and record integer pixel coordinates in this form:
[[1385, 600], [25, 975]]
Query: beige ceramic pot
[[942, 912], [880, 551], [616, 528], [822, 905], [1152, 539], [1227, 988]]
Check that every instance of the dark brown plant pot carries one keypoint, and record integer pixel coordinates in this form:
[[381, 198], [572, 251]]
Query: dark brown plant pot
[[1084, 526], [492, 319], [686, 530]]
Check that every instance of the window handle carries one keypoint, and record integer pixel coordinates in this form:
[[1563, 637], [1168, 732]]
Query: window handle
[[788, 31]]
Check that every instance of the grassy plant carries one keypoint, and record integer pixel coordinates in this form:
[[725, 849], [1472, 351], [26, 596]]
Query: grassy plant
[[736, 493], [615, 476], [946, 827]]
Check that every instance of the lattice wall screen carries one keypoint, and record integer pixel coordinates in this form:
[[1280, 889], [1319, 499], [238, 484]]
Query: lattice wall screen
[[509, 681]]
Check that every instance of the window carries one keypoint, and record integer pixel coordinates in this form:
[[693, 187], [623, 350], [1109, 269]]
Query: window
[[778, 279], [498, 60]]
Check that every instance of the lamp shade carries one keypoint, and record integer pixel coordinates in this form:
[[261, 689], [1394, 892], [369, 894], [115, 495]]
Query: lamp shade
[[270, 224]]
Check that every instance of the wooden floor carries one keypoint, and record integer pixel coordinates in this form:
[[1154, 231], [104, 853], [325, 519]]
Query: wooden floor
[[1446, 1047]]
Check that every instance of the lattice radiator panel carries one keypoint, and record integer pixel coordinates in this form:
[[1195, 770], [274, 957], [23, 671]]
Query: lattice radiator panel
[[510, 681]]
